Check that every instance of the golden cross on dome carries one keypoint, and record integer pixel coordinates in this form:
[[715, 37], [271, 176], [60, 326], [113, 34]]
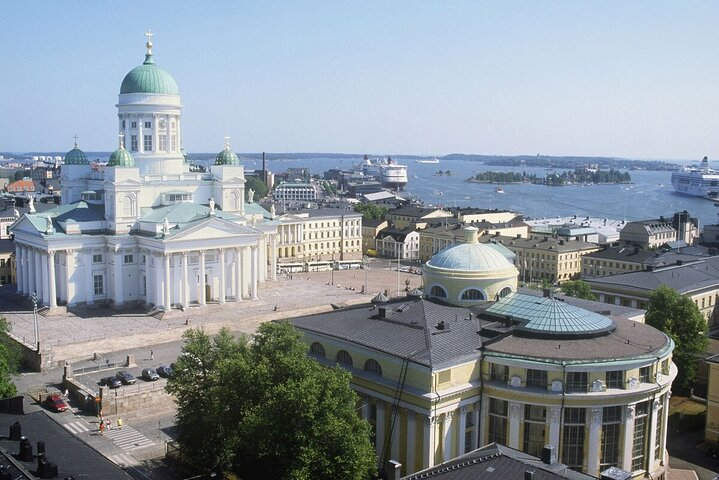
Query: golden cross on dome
[[149, 36], [75, 137], [227, 142], [122, 139]]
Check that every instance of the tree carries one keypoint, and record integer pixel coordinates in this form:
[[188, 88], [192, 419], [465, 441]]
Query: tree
[[266, 410], [679, 317], [579, 289], [257, 185], [9, 360], [370, 211]]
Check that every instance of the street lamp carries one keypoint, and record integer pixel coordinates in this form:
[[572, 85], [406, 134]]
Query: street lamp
[[366, 267], [34, 316]]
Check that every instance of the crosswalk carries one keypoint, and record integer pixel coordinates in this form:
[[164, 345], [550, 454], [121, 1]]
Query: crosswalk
[[128, 438], [77, 428], [123, 460]]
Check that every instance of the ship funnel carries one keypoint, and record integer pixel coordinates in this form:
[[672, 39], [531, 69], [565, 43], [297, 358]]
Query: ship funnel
[[705, 165]]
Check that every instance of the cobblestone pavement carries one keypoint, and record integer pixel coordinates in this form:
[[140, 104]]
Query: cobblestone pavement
[[81, 333]]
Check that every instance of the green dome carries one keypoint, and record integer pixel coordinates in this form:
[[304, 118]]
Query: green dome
[[121, 158], [149, 78], [227, 157], [76, 157]]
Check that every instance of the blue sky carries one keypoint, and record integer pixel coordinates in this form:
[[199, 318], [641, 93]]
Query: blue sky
[[612, 78]]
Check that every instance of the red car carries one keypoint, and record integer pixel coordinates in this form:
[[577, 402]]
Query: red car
[[56, 403]]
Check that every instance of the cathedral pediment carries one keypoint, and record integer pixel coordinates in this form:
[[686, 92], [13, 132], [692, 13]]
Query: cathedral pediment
[[212, 229]]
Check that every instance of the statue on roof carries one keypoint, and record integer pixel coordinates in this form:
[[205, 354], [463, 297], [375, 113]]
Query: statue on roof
[[49, 228], [212, 205], [31, 203], [273, 212], [250, 196], [165, 226]]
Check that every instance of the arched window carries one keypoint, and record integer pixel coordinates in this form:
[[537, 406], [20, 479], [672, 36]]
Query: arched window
[[317, 350], [344, 358], [438, 291], [505, 291], [372, 366], [127, 206], [473, 294], [234, 201]]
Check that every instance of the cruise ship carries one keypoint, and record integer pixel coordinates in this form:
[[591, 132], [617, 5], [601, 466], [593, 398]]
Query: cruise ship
[[699, 182], [390, 174]]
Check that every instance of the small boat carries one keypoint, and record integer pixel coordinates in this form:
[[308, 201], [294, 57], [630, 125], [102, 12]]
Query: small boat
[[433, 161], [499, 190]]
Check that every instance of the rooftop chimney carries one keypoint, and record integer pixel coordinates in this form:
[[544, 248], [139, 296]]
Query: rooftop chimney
[[15, 431], [529, 475], [440, 325], [547, 293], [382, 312], [549, 454]]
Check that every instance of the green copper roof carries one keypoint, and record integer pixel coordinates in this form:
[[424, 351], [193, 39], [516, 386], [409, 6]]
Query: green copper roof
[[149, 78], [550, 317], [76, 157], [121, 158], [227, 157]]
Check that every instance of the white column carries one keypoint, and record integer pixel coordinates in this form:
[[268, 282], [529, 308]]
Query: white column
[[52, 292], [140, 135], [554, 426], [119, 294], [274, 257], [89, 279], [203, 300], [461, 430], [238, 275], [428, 443], [379, 422], [37, 263], [595, 434], [651, 464], [155, 142], [515, 418], [410, 441], [254, 261], [168, 283], [185, 281], [449, 431], [477, 431], [18, 268], [44, 276], [28, 272], [159, 277], [70, 281], [628, 437], [223, 268], [665, 426]]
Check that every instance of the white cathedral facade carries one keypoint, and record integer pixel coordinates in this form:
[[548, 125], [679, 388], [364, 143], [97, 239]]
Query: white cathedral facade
[[145, 229]]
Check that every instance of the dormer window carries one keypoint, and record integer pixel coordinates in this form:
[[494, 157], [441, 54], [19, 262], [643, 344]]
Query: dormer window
[[171, 198], [91, 196]]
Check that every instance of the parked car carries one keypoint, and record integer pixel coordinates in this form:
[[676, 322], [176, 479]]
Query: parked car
[[55, 402], [125, 377], [112, 382], [150, 374], [164, 371]]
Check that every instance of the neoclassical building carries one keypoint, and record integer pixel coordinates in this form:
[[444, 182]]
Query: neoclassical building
[[439, 377], [145, 228]]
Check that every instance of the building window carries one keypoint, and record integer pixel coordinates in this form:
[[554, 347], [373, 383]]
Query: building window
[[573, 441], [173, 143], [468, 431], [498, 372], [99, 284], [129, 259], [577, 381], [97, 258], [639, 447], [148, 143], [615, 379], [344, 359], [133, 124], [472, 294], [162, 141], [658, 431], [133, 143], [372, 366], [505, 291], [498, 421], [611, 426], [535, 421], [644, 374], [438, 291], [536, 378], [317, 350], [148, 125]]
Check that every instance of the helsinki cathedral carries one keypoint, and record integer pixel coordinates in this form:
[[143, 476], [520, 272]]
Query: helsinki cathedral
[[146, 229]]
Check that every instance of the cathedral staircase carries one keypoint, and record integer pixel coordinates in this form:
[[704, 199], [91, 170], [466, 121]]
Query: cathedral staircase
[[155, 312]]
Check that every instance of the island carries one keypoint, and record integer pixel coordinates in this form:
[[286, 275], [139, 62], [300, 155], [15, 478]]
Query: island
[[579, 175]]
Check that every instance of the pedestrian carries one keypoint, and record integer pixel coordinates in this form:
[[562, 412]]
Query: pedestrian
[[66, 392], [108, 424], [119, 423], [102, 427], [152, 355]]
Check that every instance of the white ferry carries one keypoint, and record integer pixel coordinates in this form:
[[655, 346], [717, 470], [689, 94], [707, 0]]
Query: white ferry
[[390, 174], [699, 182], [432, 161]]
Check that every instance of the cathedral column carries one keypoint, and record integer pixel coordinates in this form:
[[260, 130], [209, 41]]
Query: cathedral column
[[89, 279], [28, 272], [514, 421], [448, 432], [411, 436], [168, 283], [223, 281], [203, 291], [52, 293], [273, 259], [30, 269], [255, 264], [554, 426], [238, 275], [44, 276], [428, 442], [18, 268], [185, 281], [119, 294], [155, 134], [628, 438], [159, 277], [595, 436], [70, 283], [37, 263], [140, 136]]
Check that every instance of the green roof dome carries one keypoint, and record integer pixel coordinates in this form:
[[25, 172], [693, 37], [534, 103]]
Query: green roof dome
[[121, 158], [149, 78], [227, 157], [76, 157]]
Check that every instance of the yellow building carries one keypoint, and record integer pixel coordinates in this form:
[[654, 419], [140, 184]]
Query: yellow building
[[437, 380], [319, 235], [415, 217]]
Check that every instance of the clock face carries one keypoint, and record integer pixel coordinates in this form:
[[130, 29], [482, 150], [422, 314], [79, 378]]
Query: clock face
[[162, 123]]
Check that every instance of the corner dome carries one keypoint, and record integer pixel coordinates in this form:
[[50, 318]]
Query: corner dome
[[227, 157], [75, 157], [470, 256], [149, 78], [121, 158]]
